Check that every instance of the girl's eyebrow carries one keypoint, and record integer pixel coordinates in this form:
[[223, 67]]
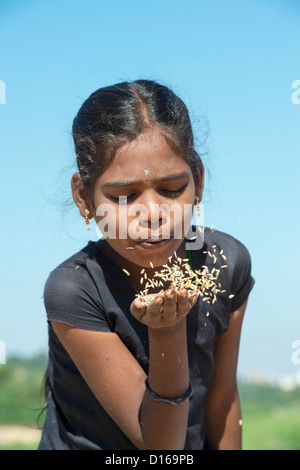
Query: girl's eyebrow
[[155, 180]]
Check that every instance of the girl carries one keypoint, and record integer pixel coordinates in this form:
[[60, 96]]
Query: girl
[[156, 371]]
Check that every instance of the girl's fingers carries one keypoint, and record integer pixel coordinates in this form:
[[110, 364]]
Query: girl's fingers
[[155, 306], [183, 303], [162, 309], [138, 308], [147, 309], [170, 305]]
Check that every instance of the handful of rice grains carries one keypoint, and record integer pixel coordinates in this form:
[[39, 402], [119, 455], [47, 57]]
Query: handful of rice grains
[[180, 275]]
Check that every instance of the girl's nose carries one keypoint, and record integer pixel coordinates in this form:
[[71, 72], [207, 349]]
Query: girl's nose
[[148, 202], [151, 216], [154, 214]]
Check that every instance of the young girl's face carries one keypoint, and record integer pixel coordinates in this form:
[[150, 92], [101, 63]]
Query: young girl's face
[[133, 198]]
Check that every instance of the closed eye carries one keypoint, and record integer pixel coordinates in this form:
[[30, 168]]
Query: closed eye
[[173, 193], [123, 200]]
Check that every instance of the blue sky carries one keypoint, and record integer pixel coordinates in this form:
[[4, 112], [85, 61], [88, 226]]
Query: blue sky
[[233, 63]]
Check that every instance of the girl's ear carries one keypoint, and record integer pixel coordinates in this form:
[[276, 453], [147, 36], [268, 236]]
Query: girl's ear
[[80, 194]]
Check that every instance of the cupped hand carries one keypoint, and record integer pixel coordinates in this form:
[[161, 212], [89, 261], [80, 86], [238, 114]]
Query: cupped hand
[[164, 309]]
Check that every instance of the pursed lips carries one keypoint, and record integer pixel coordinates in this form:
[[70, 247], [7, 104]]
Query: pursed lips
[[154, 239], [153, 242]]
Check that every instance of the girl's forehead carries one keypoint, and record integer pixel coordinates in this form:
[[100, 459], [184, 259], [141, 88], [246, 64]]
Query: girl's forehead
[[149, 156]]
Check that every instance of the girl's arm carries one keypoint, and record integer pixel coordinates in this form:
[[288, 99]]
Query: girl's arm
[[118, 381], [223, 414]]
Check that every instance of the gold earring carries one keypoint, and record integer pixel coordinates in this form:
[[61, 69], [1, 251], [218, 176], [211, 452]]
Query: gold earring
[[87, 220], [197, 206]]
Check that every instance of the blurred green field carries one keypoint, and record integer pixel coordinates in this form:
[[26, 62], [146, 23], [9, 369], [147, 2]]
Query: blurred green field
[[21, 400], [271, 416]]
